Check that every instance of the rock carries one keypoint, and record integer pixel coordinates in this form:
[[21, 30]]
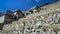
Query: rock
[[2, 19], [17, 27], [48, 32], [55, 15], [26, 31], [32, 33], [58, 32], [39, 31], [58, 15], [39, 23]]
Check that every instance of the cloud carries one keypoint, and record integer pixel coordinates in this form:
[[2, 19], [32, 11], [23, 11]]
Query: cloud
[[37, 0]]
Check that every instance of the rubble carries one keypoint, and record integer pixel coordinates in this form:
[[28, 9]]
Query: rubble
[[40, 24], [33, 26]]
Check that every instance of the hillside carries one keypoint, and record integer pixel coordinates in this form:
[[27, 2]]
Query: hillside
[[47, 20]]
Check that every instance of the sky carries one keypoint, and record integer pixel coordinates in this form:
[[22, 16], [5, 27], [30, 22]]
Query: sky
[[20, 4]]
